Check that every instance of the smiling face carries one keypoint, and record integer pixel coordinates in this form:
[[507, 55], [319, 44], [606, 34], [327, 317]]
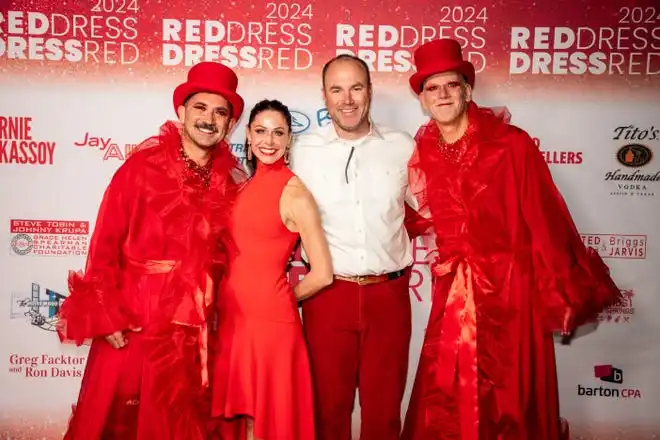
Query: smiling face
[[206, 119], [269, 136], [347, 94], [446, 96]]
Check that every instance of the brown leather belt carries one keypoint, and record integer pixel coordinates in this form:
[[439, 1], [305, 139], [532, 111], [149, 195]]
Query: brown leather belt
[[364, 280]]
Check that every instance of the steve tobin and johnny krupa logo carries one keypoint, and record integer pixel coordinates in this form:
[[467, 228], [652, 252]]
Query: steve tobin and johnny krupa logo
[[49, 237]]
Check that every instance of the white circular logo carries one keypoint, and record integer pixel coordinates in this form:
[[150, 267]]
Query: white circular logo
[[22, 244]]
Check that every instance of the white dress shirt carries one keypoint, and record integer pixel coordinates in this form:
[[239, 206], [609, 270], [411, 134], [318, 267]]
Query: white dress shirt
[[361, 201]]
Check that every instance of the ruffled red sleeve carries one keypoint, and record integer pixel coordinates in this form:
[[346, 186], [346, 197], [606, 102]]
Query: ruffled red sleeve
[[417, 220], [567, 273], [93, 307]]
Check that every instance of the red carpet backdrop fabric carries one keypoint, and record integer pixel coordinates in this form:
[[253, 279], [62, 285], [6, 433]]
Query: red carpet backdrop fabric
[[83, 81]]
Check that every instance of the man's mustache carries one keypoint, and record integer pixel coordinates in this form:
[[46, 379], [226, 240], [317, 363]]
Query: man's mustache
[[206, 126]]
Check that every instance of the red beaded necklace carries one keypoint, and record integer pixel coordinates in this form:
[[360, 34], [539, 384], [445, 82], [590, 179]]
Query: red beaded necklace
[[202, 171], [453, 152]]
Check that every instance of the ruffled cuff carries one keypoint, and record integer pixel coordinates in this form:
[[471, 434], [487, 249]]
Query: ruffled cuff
[[90, 311], [586, 288]]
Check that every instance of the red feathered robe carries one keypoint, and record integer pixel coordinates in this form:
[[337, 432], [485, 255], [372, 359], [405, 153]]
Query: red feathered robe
[[509, 263], [158, 247]]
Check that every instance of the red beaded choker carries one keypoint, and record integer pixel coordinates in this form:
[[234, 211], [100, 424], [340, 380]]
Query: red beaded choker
[[204, 172]]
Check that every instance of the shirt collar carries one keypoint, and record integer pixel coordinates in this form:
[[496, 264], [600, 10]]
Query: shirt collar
[[331, 135]]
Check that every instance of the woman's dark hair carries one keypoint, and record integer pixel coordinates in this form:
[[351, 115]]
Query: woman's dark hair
[[263, 106]]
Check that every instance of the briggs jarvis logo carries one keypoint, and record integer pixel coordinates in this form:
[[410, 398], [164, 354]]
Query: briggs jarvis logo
[[611, 375], [628, 246], [631, 178]]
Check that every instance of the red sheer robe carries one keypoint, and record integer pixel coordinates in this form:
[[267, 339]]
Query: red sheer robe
[[159, 244], [510, 263]]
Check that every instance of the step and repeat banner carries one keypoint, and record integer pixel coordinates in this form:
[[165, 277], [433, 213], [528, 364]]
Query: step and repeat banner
[[82, 82]]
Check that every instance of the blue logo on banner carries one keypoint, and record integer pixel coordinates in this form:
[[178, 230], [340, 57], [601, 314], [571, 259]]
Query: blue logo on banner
[[299, 122], [323, 117]]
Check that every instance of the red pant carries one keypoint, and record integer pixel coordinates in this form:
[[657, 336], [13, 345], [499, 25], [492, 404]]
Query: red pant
[[359, 337]]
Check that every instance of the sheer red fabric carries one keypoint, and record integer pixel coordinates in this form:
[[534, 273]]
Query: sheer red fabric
[[509, 265], [159, 248]]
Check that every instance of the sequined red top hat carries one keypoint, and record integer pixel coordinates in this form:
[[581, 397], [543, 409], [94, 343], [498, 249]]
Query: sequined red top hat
[[211, 77], [438, 56]]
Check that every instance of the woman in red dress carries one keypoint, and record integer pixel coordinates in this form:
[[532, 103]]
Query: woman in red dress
[[262, 372]]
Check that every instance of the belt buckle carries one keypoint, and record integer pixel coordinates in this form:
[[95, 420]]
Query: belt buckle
[[361, 280]]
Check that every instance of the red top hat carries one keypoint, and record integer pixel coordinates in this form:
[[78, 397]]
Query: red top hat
[[211, 77], [438, 56]]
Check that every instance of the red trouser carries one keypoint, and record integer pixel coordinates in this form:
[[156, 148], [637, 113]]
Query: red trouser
[[359, 336]]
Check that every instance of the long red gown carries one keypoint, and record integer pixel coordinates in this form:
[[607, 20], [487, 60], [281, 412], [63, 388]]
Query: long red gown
[[262, 368], [509, 263], [159, 244]]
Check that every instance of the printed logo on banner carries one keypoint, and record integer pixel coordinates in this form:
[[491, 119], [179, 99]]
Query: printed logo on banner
[[626, 246], [389, 48], [299, 122], [48, 238], [419, 276], [279, 40], [38, 307], [613, 377], [561, 50], [110, 148], [297, 269], [323, 117], [102, 36], [46, 365], [622, 311], [635, 175], [17, 145], [555, 157], [238, 150]]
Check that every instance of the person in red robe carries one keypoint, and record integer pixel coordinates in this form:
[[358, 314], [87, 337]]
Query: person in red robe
[[159, 247], [510, 267]]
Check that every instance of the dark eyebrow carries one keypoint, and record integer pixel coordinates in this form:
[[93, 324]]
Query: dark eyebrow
[[261, 126]]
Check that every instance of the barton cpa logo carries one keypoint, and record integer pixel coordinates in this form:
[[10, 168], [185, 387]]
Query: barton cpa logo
[[613, 376], [299, 122], [39, 307], [631, 178]]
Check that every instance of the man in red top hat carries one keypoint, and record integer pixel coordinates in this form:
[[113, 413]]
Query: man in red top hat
[[510, 268], [158, 248]]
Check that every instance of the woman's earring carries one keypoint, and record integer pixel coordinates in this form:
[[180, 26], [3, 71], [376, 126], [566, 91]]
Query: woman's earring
[[286, 155], [249, 151]]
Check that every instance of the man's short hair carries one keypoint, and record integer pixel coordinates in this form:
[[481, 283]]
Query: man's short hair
[[347, 57]]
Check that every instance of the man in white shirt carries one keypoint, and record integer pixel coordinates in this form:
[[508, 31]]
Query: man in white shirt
[[358, 329]]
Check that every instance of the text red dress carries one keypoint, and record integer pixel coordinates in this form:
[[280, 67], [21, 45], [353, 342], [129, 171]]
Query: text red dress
[[158, 245], [509, 263], [262, 368]]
